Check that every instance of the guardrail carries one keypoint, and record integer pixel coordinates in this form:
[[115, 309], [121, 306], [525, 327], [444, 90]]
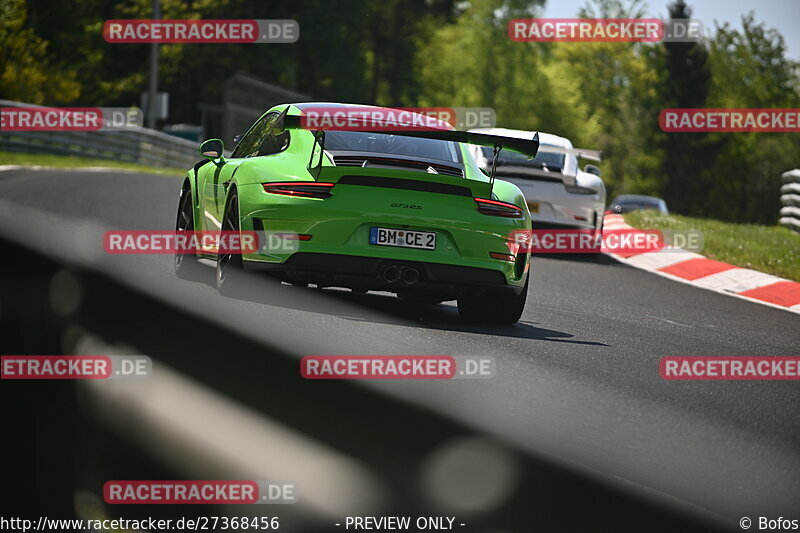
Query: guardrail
[[135, 145], [790, 200]]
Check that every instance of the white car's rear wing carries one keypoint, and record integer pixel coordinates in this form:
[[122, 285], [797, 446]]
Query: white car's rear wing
[[583, 153]]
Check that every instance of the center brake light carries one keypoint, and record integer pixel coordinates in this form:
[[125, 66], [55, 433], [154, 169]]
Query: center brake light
[[498, 209], [302, 189]]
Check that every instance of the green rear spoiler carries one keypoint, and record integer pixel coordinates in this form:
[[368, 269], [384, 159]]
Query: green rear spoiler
[[527, 147]]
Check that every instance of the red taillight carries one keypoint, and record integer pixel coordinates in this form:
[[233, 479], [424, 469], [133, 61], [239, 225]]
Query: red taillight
[[303, 189], [498, 209]]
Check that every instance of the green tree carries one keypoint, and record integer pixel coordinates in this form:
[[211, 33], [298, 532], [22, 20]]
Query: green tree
[[26, 73], [617, 83], [750, 70], [687, 156], [473, 63], [349, 50]]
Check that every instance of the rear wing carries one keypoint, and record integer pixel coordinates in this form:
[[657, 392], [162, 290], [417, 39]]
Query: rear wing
[[528, 147]]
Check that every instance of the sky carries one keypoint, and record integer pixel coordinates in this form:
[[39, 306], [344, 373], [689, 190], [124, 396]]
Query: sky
[[783, 15]]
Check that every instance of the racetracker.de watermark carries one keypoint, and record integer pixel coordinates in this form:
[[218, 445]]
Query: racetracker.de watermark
[[74, 366], [730, 368], [202, 242], [34, 118], [396, 367], [359, 118], [605, 30], [181, 242], [610, 241], [198, 492], [730, 120], [228, 31]]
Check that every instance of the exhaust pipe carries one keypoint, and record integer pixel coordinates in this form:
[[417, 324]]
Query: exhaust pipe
[[410, 276], [391, 274]]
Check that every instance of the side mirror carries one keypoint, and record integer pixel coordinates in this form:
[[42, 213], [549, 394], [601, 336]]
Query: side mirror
[[592, 169], [212, 149]]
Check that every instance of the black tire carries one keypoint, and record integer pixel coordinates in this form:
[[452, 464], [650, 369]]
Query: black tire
[[230, 272], [599, 231], [597, 235], [494, 307], [186, 265]]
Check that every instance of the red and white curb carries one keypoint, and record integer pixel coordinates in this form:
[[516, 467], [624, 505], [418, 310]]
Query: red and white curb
[[700, 271]]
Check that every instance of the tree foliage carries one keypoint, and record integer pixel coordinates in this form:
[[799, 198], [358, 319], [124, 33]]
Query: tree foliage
[[26, 72], [457, 54]]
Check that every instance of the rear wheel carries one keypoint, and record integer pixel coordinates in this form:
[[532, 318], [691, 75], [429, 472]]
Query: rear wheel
[[494, 307], [186, 265], [230, 272]]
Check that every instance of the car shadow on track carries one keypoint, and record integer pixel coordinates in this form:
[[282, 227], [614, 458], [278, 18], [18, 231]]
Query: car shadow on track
[[384, 308], [445, 317]]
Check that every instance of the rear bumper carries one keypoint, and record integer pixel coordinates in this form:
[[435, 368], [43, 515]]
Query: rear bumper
[[338, 251], [562, 222], [550, 203], [367, 273]]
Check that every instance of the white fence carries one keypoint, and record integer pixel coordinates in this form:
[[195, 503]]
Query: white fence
[[790, 200], [134, 145]]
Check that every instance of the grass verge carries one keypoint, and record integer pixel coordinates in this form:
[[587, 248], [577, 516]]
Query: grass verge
[[771, 249], [69, 161]]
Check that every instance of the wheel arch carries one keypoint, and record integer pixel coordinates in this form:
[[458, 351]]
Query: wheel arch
[[232, 189]]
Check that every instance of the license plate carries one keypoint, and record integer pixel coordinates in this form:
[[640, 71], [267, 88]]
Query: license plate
[[425, 240], [533, 207]]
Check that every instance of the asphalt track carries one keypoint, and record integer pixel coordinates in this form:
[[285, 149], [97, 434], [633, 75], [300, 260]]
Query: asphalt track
[[577, 378]]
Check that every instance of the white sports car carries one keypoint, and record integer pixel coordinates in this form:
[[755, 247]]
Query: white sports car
[[558, 193]]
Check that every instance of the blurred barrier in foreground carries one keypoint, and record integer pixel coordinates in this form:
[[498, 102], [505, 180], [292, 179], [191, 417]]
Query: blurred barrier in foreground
[[225, 404], [136, 145], [790, 200]]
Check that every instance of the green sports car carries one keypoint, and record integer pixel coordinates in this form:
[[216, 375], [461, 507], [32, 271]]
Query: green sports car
[[403, 211]]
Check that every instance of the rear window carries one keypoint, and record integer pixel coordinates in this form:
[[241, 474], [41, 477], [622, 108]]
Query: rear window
[[386, 143]]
